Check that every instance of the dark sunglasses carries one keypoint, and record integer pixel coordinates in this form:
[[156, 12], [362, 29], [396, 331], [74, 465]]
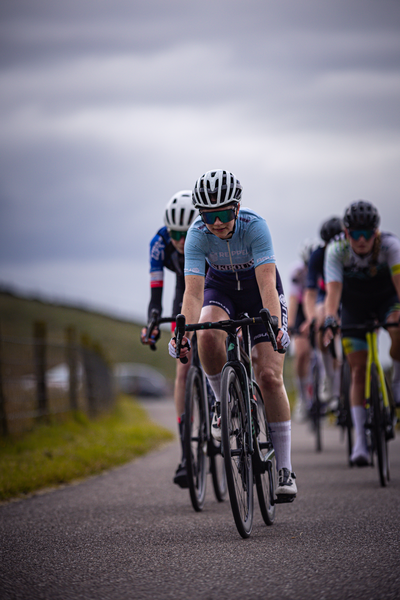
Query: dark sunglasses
[[177, 235], [365, 233], [226, 215]]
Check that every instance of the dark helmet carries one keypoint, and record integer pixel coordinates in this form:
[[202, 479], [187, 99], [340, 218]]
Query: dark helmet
[[361, 215], [330, 228]]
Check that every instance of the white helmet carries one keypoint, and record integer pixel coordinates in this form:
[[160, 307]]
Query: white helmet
[[306, 248], [179, 212], [216, 188]]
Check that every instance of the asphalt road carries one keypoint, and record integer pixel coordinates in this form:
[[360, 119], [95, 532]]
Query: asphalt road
[[131, 534]]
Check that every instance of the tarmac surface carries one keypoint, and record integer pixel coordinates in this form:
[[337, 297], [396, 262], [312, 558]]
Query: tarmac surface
[[131, 534]]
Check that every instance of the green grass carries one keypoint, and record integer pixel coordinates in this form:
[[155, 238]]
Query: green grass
[[62, 452]]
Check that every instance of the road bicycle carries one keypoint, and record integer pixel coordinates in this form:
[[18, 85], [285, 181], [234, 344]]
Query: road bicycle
[[379, 404], [198, 442], [249, 456]]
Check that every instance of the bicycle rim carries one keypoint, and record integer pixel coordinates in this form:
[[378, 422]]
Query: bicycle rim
[[195, 438], [238, 462], [378, 427], [217, 469], [265, 482]]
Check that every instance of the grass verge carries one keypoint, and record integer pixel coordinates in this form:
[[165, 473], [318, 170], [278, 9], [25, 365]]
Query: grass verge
[[59, 453]]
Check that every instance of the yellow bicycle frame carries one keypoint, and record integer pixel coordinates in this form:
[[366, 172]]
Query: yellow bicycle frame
[[373, 357]]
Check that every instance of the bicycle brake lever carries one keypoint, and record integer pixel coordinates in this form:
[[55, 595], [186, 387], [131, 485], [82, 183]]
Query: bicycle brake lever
[[180, 332]]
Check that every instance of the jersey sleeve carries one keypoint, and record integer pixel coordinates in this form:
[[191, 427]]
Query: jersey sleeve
[[157, 258], [333, 267], [393, 254], [195, 253], [261, 243]]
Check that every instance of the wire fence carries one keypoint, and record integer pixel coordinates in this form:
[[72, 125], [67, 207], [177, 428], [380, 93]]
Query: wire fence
[[39, 379]]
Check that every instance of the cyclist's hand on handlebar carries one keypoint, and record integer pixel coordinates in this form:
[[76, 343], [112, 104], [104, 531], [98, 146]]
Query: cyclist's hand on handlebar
[[283, 339], [152, 338], [185, 348], [330, 327]]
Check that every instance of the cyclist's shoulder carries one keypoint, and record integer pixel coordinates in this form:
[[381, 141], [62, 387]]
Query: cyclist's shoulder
[[338, 246], [389, 240], [297, 271], [161, 237]]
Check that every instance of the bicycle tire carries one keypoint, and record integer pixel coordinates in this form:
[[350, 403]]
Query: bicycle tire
[[346, 421], [196, 438], [316, 407], [379, 427], [266, 481], [235, 447], [217, 466]]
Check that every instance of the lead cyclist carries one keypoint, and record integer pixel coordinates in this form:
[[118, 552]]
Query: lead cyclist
[[242, 277]]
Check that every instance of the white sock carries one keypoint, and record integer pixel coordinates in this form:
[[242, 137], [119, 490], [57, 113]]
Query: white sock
[[304, 387], [281, 440], [328, 364], [358, 415], [215, 383]]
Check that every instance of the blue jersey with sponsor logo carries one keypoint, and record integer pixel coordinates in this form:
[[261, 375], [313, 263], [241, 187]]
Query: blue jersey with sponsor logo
[[232, 262]]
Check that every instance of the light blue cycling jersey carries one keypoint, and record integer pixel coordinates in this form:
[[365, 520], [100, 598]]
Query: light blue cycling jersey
[[249, 247]]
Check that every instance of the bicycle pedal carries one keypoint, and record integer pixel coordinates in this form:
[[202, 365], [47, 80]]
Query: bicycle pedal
[[284, 498]]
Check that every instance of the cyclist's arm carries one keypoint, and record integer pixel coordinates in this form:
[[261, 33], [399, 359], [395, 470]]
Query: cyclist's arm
[[266, 280], [191, 306], [332, 303], [309, 303], [292, 311]]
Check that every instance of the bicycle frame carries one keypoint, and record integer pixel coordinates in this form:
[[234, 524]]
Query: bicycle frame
[[373, 358]]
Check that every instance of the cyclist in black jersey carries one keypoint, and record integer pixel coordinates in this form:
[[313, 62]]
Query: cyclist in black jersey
[[167, 251], [362, 272], [314, 296]]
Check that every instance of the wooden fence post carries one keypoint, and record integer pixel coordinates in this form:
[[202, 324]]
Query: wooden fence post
[[39, 336], [72, 361], [3, 416]]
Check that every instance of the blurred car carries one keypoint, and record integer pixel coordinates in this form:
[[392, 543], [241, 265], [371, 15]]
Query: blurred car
[[140, 380]]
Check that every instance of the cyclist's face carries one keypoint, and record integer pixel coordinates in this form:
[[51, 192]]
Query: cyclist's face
[[361, 246], [179, 245], [218, 228]]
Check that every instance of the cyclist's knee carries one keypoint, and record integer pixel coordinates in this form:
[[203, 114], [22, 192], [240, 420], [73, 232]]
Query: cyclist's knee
[[269, 378]]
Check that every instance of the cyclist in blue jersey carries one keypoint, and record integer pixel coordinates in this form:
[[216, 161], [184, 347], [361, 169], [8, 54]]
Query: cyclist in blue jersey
[[167, 252], [362, 272], [242, 277], [314, 297]]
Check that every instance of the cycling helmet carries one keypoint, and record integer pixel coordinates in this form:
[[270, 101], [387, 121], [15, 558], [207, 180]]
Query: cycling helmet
[[307, 247], [216, 188], [179, 212], [361, 215], [330, 228]]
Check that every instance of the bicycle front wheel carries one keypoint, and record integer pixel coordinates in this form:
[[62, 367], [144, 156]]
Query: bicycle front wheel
[[195, 438], [235, 447], [265, 481], [345, 420], [379, 427]]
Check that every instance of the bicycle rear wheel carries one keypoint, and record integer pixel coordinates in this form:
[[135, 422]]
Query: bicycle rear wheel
[[379, 427], [316, 406], [196, 438], [344, 418], [217, 467], [235, 447], [265, 481]]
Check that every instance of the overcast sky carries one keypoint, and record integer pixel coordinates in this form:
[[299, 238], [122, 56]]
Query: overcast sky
[[110, 107]]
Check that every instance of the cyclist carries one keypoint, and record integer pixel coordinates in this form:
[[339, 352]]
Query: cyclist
[[242, 277], [314, 297], [296, 318], [167, 251], [362, 272]]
